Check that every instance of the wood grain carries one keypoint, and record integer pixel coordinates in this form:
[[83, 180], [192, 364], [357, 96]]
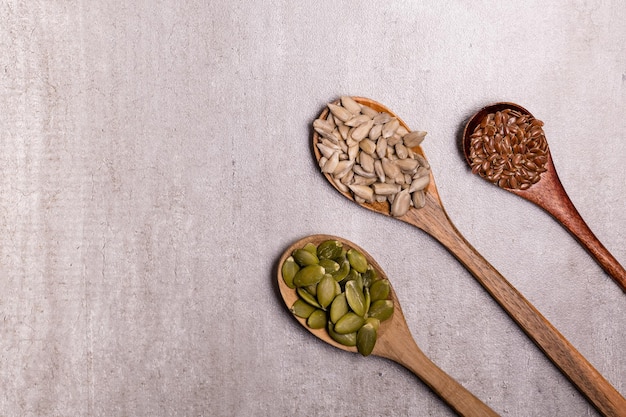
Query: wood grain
[[607, 400]]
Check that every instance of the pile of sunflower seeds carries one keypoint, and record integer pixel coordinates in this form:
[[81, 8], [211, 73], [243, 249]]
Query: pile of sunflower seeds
[[368, 154], [338, 290]]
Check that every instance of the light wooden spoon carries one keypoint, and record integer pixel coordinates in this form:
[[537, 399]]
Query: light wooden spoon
[[433, 219], [394, 341], [550, 195]]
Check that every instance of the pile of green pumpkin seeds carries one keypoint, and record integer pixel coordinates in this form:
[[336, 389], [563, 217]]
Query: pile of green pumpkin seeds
[[340, 291]]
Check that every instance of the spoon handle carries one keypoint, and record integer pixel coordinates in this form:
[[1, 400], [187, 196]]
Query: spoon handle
[[404, 350], [555, 346], [564, 211]]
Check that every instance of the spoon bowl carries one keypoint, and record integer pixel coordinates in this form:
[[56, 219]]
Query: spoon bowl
[[378, 207], [433, 219], [394, 340], [549, 194]]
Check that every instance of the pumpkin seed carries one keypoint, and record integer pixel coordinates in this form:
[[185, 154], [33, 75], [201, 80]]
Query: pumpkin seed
[[338, 308], [370, 276], [289, 270], [305, 257], [309, 275], [349, 323], [343, 271], [329, 265], [373, 321], [311, 289], [348, 339], [311, 247], [329, 249], [302, 309], [355, 298], [357, 260], [326, 290], [381, 309], [352, 276], [366, 339], [380, 290], [306, 296], [317, 319]]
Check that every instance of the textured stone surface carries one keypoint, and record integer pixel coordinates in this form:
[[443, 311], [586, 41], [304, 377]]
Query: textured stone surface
[[155, 161]]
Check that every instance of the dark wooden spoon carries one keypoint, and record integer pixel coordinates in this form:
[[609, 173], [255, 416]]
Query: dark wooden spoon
[[549, 194]]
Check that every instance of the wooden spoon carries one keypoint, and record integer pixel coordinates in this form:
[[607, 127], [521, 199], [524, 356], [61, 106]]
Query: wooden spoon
[[394, 341], [433, 219], [550, 195]]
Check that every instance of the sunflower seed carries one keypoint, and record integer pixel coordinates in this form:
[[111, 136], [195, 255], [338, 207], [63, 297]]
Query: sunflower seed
[[358, 120], [408, 165], [382, 188], [367, 162], [361, 180], [375, 132], [339, 112], [381, 147], [414, 138], [401, 203], [353, 152], [368, 111], [390, 168], [362, 130], [390, 128], [378, 169], [326, 151], [331, 164], [321, 125], [401, 151], [343, 167], [363, 191], [382, 118], [367, 146], [359, 170], [349, 104], [419, 183]]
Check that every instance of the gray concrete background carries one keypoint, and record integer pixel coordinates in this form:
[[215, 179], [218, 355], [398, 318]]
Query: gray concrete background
[[155, 161]]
